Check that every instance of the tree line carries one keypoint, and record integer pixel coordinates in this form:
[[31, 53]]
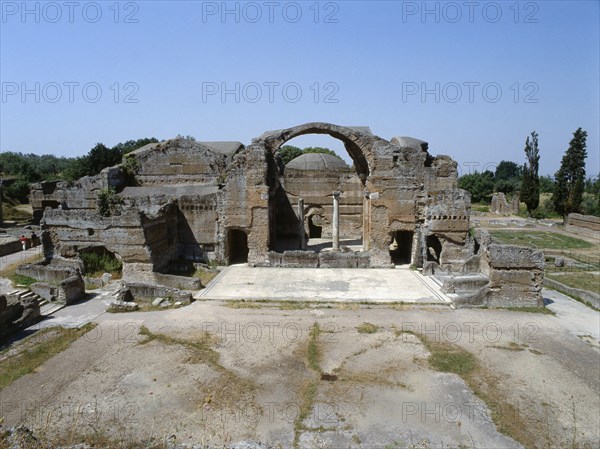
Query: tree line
[[569, 190], [20, 170]]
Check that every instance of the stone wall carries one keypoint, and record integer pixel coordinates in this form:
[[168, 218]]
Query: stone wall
[[588, 225], [63, 284], [187, 198], [516, 274], [310, 259], [10, 247], [315, 187], [148, 292], [135, 235], [500, 205], [143, 273], [45, 273], [17, 314]]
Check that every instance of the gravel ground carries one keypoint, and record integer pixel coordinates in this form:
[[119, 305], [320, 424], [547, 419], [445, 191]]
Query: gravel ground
[[249, 378]]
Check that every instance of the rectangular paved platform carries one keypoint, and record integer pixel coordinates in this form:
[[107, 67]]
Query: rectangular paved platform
[[324, 284]]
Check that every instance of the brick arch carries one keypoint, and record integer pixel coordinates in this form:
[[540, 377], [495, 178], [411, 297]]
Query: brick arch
[[358, 144]]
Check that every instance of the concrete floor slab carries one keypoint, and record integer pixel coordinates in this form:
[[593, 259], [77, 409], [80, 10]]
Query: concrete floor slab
[[324, 284]]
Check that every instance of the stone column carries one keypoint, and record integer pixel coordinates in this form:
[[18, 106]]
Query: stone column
[[301, 223], [366, 221], [336, 221]]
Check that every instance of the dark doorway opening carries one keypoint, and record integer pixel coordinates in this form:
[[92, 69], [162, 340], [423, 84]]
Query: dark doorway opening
[[401, 247], [314, 231], [434, 248], [237, 246]]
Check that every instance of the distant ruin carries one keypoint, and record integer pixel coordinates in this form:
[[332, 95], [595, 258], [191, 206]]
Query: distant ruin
[[181, 201]]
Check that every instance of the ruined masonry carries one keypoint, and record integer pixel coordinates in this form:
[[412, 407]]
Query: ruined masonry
[[179, 202]]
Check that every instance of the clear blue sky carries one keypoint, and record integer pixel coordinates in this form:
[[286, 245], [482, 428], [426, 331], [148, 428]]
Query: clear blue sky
[[374, 58]]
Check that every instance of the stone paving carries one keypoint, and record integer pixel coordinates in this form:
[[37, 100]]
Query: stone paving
[[322, 284]]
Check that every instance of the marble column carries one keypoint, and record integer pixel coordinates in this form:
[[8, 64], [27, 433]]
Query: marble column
[[336, 221], [301, 232]]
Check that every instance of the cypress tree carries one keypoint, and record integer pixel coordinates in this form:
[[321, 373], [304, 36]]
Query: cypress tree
[[570, 177], [530, 187]]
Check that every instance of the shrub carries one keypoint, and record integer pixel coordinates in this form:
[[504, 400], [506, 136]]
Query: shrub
[[100, 261], [367, 328], [108, 202]]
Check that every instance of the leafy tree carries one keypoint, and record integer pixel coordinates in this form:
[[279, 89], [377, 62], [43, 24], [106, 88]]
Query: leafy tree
[[320, 150], [18, 190], [530, 188], [289, 152], [546, 184], [132, 145], [94, 162], [507, 170], [101, 157], [507, 177], [591, 197], [570, 177], [479, 185], [592, 185], [507, 185]]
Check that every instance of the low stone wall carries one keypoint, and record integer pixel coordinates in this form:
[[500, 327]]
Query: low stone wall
[[45, 273], [16, 314], [180, 282], [591, 297], [71, 289], [142, 273], [13, 246], [516, 274], [148, 292], [310, 259], [67, 282], [44, 290], [588, 225]]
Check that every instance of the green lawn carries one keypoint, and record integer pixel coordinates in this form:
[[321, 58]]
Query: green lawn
[[579, 279], [540, 239]]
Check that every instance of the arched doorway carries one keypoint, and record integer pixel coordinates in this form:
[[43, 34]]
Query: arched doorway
[[285, 226], [434, 248], [237, 246], [315, 230]]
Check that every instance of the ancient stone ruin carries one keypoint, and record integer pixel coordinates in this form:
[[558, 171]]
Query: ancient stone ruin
[[181, 201]]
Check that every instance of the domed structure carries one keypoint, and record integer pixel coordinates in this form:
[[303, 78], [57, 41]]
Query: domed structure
[[317, 161]]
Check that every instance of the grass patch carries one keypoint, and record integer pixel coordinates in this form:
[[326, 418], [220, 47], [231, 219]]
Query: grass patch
[[201, 348], [12, 213], [578, 279], [9, 271], [367, 328], [205, 276], [19, 279], [540, 239], [451, 358], [542, 310], [51, 342], [308, 391], [314, 354], [478, 207], [228, 390], [448, 358]]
